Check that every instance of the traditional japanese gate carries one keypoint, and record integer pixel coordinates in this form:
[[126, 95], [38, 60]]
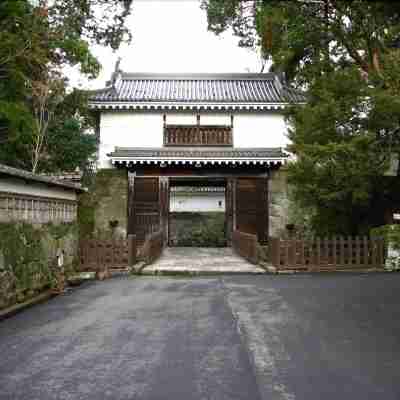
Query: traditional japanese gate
[[246, 206], [148, 206], [251, 207]]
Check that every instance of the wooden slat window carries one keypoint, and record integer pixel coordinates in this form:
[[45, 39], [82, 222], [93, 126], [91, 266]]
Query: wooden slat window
[[198, 135]]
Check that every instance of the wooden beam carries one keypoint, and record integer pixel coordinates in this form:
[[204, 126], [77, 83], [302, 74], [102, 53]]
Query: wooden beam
[[131, 194]]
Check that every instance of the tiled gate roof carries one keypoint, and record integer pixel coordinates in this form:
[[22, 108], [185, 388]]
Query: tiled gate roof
[[198, 89], [218, 156]]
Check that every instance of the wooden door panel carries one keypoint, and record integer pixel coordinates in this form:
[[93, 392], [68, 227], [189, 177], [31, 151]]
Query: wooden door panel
[[252, 206], [145, 207]]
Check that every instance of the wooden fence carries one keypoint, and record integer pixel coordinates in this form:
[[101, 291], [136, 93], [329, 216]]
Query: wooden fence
[[246, 245], [327, 254], [98, 254], [153, 247]]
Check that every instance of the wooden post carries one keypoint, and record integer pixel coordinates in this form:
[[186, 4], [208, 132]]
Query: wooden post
[[334, 252], [164, 206], [326, 252], [373, 242], [349, 252], [381, 245], [286, 254], [318, 251], [292, 253], [302, 255], [274, 244], [342, 260], [234, 208], [278, 252], [131, 196], [229, 210], [263, 209], [357, 246], [311, 254], [131, 250], [366, 251]]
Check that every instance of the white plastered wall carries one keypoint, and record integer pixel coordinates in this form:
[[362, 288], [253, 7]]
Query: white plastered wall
[[145, 129], [181, 119], [259, 130], [176, 118], [210, 202], [215, 119], [37, 189], [128, 129]]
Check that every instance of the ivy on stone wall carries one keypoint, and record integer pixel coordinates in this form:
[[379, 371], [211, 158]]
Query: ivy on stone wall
[[103, 192], [28, 256]]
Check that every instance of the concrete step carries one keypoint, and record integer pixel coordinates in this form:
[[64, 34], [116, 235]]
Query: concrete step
[[201, 261]]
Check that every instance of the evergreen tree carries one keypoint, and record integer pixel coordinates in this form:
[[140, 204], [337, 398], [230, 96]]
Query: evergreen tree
[[345, 55], [38, 39]]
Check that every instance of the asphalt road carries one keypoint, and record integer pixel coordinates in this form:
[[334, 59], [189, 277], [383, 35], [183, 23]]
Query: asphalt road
[[301, 337]]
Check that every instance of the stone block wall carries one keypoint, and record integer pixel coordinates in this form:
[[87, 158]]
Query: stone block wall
[[38, 234], [29, 258], [103, 211], [279, 203]]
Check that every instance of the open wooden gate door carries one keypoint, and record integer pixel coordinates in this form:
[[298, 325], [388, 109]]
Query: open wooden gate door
[[251, 200], [148, 206], [144, 207]]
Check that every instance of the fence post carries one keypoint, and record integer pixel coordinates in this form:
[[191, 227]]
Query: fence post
[[334, 251], [318, 248], [302, 253], [342, 250], [374, 252], [357, 243], [366, 251], [292, 252], [383, 249], [276, 252], [131, 250]]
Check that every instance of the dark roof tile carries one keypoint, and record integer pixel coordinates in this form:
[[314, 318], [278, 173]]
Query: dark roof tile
[[163, 152], [198, 88]]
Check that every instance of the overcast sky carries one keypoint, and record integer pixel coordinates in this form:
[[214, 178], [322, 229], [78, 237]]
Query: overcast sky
[[172, 36]]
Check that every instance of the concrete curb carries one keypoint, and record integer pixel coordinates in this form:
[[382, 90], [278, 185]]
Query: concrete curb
[[10, 311], [196, 273], [327, 272], [138, 268]]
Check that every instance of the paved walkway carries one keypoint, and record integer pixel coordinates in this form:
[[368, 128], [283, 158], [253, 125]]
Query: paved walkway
[[201, 260]]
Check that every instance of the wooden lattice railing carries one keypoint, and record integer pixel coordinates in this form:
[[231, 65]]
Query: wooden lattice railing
[[197, 135], [327, 254], [99, 254], [246, 245]]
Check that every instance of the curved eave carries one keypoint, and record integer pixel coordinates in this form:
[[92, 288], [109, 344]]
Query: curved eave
[[188, 106], [164, 161]]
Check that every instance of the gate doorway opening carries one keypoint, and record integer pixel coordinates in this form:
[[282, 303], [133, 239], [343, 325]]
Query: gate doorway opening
[[197, 214]]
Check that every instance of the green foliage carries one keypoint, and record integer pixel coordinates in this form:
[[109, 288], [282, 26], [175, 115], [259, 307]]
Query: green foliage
[[391, 234], [347, 56], [86, 214], [38, 40], [26, 256], [89, 202], [201, 229]]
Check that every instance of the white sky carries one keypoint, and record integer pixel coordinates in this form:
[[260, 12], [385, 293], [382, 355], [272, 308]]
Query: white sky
[[172, 36]]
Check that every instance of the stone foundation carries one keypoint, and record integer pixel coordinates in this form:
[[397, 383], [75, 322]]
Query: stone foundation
[[29, 259], [279, 203], [103, 211]]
